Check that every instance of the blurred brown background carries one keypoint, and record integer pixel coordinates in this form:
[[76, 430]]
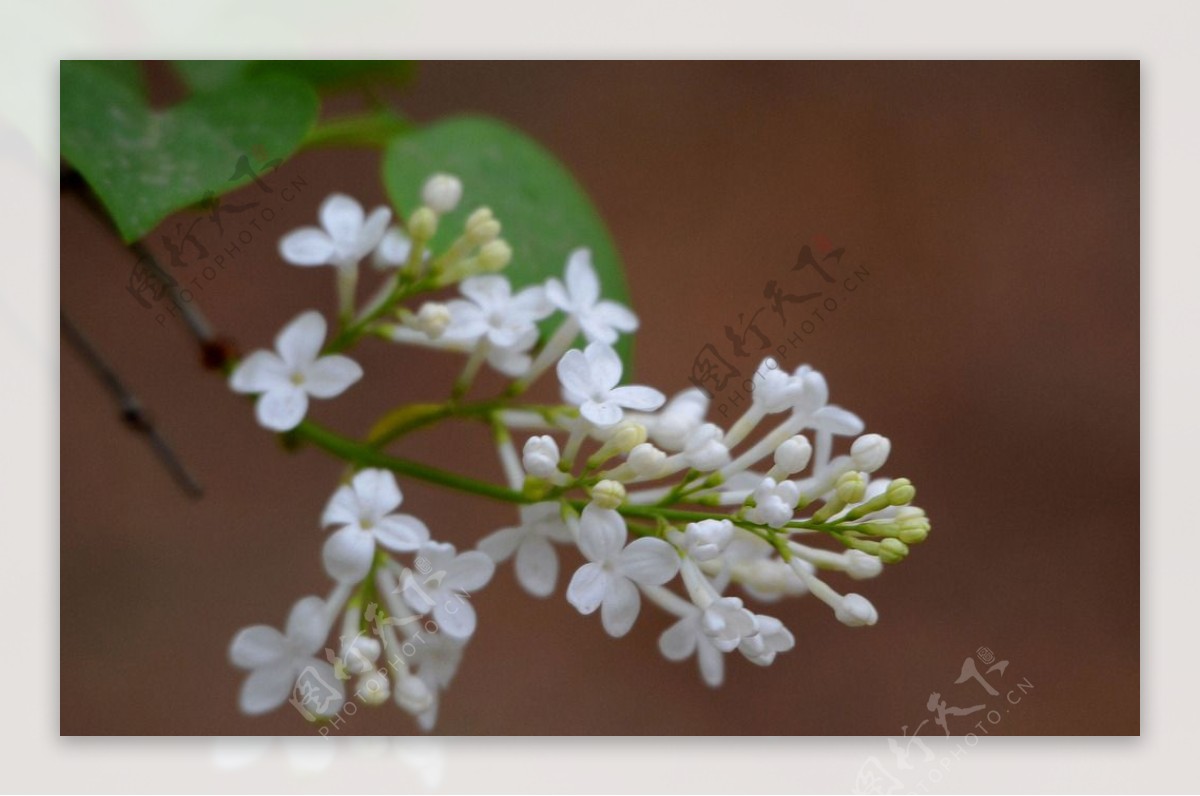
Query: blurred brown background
[[995, 341]]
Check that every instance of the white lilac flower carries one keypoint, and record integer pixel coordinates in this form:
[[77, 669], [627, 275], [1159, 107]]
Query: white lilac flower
[[774, 503], [870, 451], [435, 662], [600, 320], [540, 456], [705, 449], [778, 391], [610, 579], [726, 622], [685, 637], [679, 419], [491, 311], [536, 562], [276, 661], [707, 539], [365, 510], [445, 591], [343, 239], [772, 638], [590, 379], [284, 379]]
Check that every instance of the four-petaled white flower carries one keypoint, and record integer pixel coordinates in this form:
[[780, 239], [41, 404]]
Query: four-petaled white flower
[[772, 638], [536, 562], [493, 312], [590, 378], [600, 321], [365, 509], [444, 591], [284, 379], [686, 636], [726, 622], [277, 661], [674, 425], [344, 237], [774, 503], [610, 579]]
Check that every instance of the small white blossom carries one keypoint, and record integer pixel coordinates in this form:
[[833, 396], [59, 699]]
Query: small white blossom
[[360, 653], [707, 539], [540, 456], [860, 565], [609, 580], [646, 460], [686, 636], [726, 622], [491, 311], [793, 454], [679, 419], [444, 593], [777, 391], [600, 321], [343, 238], [365, 509], [441, 193], [590, 379], [772, 638], [706, 450], [275, 660], [870, 451], [436, 662], [285, 378], [536, 562], [856, 611], [774, 503]]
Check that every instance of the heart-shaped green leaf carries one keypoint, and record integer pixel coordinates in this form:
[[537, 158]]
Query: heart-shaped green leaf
[[144, 164], [544, 212]]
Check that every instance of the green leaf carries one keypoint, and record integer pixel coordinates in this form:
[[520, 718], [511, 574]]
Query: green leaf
[[544, 211], [145, 164], [129, 73], [209, 75]]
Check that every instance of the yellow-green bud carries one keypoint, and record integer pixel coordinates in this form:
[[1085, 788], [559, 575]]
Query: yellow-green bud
[[892, 551], [495, 256], [608, 494], [432, 319], [422, 224], [627, 436], [851, 487], [483, 232], [900, 492]]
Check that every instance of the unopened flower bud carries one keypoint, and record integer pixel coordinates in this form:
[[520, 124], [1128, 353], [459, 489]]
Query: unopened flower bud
[[646, 460], [360, 654], [860, 565], [412, 695], [608, 494], [870, 451], [705, 540], [851, 486], [627, 436], [540, 456], [433, 318], [900, 492], [482, 227], [793, 455], [892, 551], [856, 611], [912, 525], [479, 216], [422, 223], [441, 193], [373, 688], [495, 256]]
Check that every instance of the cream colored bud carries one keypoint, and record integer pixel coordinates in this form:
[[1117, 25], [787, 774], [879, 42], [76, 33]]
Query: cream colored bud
[[495, 256], [484, 232], [412, 695], [860, 565], [856, 611], [422, 224], [646, 460], [433, 318], [793, 455], [373, 688], [851, 486], [892, 551], [442, 192], [479, 216], [870, 451], [627, 436], [608, 494]]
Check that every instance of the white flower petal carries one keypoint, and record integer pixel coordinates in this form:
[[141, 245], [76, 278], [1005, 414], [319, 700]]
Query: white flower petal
[[393, 249], [557, 294], [620, 608], [402, 533], [267, 688], [373, 230], [300, 341], [501, 544], [712, 663], [306, 246], [469, 571], [602, 414], [342, 508], [837, 420], [489, 292], [648, 561], [679, 640], [582, 283], [377, 492], [537, 566], [596, 331], [587, 588], [342, 218], [347, 554], [604, 364], [601, 534], [575, 373], [281, 409], [322, 677], [307, 625], [256, 646], [531, 304], [615, 315], [642, 399], [455, 617], [330, 376], [259, 372]]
